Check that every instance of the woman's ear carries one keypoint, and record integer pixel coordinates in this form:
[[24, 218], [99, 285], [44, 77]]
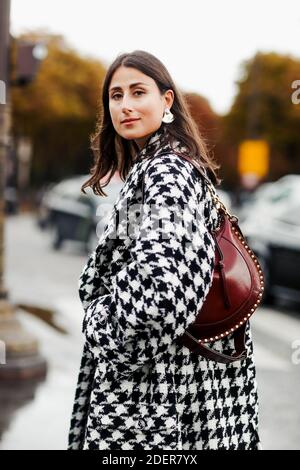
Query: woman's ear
[[169, 98]]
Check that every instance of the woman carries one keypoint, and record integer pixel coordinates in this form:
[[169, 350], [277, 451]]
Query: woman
[[137, 387]]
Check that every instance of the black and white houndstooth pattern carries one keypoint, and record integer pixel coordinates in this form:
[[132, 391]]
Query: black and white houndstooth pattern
[[137, 388]]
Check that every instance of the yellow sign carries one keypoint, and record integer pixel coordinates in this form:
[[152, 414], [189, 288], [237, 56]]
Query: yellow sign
[[253, 157]]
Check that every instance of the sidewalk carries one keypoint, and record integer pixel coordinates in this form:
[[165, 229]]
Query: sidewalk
[[43, 422], [39, 276]]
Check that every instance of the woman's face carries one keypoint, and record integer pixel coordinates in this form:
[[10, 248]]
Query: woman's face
[[134, 95]]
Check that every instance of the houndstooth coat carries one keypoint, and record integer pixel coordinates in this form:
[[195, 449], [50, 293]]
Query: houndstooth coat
[[137, 388]]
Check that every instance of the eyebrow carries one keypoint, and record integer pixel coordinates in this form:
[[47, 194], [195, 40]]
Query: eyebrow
[[130, 86]]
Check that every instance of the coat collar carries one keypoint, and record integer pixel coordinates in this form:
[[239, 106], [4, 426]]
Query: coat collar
[[158, 142]]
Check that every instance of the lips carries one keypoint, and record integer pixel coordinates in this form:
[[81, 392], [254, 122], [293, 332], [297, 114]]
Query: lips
[[127, 121]]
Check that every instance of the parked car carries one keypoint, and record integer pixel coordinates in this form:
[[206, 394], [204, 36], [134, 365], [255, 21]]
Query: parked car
[[272, 228], [11, 200], [71, 215], [268, 196]]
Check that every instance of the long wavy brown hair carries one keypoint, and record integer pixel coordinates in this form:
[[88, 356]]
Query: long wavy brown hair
[[112, 152]]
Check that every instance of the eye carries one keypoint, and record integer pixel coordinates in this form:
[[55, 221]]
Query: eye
[[115, 96]]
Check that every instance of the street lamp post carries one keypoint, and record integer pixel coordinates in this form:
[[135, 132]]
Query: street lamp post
[[4, 124], [19, 357]]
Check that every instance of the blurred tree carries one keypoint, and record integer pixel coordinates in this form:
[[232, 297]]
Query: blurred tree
[[206, 119], [209, 125], [263, 108], [57, 111]]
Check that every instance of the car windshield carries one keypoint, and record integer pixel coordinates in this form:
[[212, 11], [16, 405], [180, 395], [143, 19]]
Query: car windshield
[[277, 192], [72, 189], [290, 216]]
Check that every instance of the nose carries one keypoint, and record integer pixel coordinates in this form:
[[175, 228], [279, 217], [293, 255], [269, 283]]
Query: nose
[[126, 103]]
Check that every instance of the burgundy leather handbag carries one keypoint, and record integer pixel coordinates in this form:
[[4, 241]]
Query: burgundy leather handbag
[[235, 293]]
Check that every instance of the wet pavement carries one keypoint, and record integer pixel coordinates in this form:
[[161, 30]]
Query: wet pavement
[[38, 414]]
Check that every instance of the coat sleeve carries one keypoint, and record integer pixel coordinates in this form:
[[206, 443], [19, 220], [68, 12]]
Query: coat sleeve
[[158, 294]]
